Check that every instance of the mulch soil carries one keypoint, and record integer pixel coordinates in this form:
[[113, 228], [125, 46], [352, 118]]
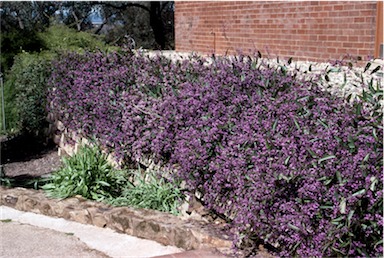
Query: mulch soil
[[25, 156]]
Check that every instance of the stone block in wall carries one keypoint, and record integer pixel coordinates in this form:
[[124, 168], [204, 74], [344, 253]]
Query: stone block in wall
[[120, 219], [81, 216], [59, 125], [98, 217]]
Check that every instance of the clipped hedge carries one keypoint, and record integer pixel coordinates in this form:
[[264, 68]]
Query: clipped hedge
[[287, 162]]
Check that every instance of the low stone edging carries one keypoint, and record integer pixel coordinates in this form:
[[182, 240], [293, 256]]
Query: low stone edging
[[148, 224]]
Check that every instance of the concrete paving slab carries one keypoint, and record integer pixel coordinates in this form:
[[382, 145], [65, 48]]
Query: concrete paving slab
[[22, 240], [102, 241]]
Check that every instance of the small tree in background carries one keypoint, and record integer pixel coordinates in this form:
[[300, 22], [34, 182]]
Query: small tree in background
[[150, 24]]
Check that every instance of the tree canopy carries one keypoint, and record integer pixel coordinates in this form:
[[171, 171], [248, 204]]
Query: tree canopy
[[143, 24]]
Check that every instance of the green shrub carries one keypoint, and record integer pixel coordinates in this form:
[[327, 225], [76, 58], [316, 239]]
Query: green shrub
[[60, 37], [88, 174], [26, 82], [31, 88], [14, 42], [25, 93], [10, 110], [150, 192]]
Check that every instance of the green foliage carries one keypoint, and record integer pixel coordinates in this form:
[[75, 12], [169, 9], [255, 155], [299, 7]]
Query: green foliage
[[22, 181], [62, 38], [26, 82], [31, 87], [14, 42], [88, 174], [371, 99], [25, 93], [150, 192], [4, 180], [10, 110]]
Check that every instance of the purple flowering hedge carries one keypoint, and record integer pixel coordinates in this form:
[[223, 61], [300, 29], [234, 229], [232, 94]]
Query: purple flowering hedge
[[288, 163]]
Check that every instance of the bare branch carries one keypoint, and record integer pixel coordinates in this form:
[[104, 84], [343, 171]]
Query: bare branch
[[124, 6], [97, 31], [77, 21], [21, 24]]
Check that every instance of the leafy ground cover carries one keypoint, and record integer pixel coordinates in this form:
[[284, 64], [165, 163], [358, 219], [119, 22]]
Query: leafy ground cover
[[287, 162], [88, 174], [150, 191]]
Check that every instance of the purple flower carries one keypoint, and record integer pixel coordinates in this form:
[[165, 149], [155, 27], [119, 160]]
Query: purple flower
[[291, 165]]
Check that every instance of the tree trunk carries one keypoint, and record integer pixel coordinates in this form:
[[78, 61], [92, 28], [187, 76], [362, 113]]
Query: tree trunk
[[21, 24], [78, 23], [157, 24]]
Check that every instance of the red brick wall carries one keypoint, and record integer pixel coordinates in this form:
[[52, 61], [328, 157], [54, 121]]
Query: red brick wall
[[305, 30]]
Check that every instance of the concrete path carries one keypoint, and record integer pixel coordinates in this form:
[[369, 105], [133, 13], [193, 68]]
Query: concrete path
[[26, 234]]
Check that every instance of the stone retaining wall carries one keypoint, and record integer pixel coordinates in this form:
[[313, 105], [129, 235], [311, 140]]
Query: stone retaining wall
[[148, 224]]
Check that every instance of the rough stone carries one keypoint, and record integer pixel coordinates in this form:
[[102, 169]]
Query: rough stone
[[97, 217], [81, 216], [121, 221], [56, 139], [148, 224], [59, 125]]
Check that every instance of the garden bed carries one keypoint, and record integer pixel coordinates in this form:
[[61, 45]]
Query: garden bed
[[263, 143], [25, 158]]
